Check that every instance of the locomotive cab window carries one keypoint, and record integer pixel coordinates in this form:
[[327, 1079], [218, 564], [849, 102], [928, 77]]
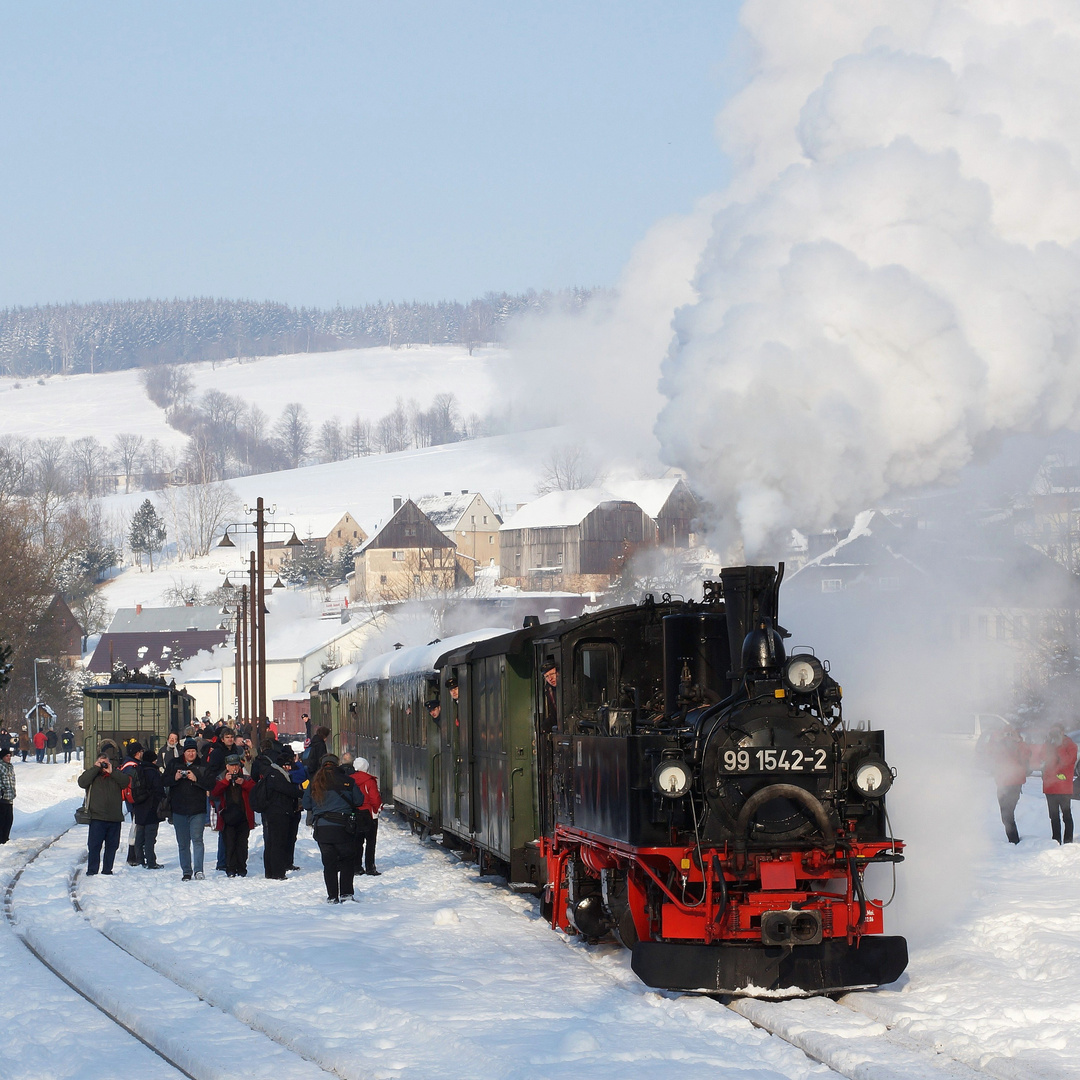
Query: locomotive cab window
[[596, 676]]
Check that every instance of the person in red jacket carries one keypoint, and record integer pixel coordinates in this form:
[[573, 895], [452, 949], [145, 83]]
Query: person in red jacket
[[1010, 762], [367, 817], [1058, 756], [235, 818], [40, 739]]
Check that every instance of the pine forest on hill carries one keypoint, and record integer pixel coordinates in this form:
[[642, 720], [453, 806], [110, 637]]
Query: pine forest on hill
[[69, 339]]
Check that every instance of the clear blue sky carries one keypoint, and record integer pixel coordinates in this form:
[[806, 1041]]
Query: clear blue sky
[[348, 152]]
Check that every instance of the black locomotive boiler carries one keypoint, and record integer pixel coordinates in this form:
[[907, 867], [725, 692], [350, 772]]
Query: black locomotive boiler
[[664, 775]]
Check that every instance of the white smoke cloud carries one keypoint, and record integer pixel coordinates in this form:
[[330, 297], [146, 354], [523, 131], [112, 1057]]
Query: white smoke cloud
[[596, 371], [893, 274]]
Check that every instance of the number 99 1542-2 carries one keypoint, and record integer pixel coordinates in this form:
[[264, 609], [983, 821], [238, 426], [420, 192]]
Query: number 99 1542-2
[[773, 760]]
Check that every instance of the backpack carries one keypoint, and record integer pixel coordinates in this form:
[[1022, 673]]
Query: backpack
[[139, 791], [258, 798]]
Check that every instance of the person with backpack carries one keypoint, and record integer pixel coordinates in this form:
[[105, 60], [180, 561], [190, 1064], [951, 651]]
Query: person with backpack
[[235, 818], [134, 751], [277, 800], [333, 797], [67, 744], [188, 786], [146, 792], [298, 775], [367, 820]]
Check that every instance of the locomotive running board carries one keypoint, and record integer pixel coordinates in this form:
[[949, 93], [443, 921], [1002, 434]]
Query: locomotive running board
[[743, 969]]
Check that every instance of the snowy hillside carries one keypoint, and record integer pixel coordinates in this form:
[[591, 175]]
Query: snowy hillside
[[353, 381]]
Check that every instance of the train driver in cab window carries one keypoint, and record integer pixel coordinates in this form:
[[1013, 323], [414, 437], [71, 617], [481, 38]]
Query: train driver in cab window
[[551, 681]]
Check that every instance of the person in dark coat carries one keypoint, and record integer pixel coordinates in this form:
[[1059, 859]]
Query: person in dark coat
[[145, 812], [235, 818], [334, 798], [317, 750], [52, 740], [7, 793], [282, 806], [188, 786], [7, 741], [298, 775], [67, 744], [106, 785]]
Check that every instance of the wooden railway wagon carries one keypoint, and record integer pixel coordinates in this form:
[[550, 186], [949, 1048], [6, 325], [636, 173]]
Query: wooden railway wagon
[[143, 711]]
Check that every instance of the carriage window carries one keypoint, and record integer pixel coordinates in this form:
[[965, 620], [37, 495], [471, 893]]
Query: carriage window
[[596, 675]]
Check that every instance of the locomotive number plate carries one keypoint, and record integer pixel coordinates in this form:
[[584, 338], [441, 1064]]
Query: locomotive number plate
[[771, 760]]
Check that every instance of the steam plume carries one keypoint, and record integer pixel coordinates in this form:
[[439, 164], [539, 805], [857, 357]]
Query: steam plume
[[893, 277]]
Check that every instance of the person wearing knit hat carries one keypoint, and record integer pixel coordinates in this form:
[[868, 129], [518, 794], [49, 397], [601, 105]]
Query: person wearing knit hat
[[188, 786]]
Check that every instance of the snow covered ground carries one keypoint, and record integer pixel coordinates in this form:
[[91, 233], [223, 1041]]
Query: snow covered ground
[[346, 383], [439, 973]]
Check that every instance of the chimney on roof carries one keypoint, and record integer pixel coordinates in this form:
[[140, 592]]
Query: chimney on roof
[[464, 491], [138, 609], [448, 493], [397, 503]]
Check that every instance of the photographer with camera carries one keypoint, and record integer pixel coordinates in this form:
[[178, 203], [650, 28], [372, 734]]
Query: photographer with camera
[[235, 818], [188, 785], [106, 785]]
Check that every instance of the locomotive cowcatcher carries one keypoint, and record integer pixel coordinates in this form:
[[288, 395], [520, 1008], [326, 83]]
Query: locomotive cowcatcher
[[703, 802]]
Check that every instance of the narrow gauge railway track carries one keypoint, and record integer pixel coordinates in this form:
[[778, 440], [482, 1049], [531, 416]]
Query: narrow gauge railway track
[[849, 1042], [69, 947], [9, 915]]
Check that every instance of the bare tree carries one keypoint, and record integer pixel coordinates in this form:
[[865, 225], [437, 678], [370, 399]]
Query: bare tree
[[392, 431], [360, 438], [50, 483], [87, 456], [568, 468], [331, 445], [253, 432], [128, 449], [293, 434]]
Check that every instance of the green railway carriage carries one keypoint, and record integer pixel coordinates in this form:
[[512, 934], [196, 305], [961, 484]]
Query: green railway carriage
[[134, 710]]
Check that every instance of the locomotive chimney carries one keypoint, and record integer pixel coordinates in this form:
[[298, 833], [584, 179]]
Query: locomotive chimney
[[750, 596]]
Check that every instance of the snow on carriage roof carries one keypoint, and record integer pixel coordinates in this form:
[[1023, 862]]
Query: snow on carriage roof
[[338, 677], [418, 657]]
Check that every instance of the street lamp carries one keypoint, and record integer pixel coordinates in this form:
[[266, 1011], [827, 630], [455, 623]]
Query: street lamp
[[37, 697], [257, 602]]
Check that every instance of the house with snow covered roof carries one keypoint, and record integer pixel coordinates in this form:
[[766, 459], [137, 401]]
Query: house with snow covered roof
[[579, 540], [575, 540], [332, 532], [467, 519], [407, 559]]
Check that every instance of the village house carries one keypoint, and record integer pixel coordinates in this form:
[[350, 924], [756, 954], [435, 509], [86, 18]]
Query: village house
[[63, 631], [408, 558], [579, 540], [330, 532], [161, 638], [467, 520]]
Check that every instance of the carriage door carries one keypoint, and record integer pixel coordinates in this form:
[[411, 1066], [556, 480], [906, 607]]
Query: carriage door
[[458, 774]]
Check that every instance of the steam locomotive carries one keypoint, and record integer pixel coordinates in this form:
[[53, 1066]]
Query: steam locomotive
[[662, 774]]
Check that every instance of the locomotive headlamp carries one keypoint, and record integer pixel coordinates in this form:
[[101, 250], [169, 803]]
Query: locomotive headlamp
[[803, 673], [672, 778], [872, 778]]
